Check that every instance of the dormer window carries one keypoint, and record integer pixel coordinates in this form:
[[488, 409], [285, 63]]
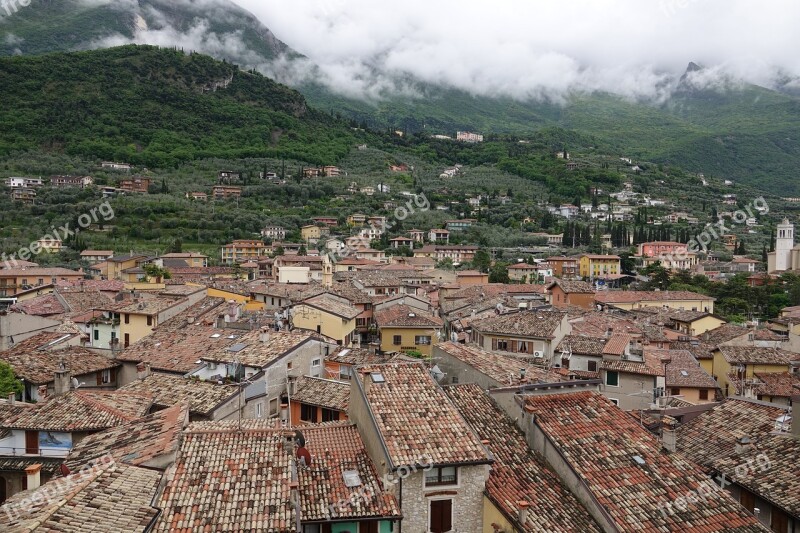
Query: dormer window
[[441, 476]]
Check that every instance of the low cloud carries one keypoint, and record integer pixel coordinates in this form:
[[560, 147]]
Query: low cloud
[[538, 49]]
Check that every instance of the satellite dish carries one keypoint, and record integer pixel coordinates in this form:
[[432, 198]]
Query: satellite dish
[[75, 383], [437, 373], [304, 456]]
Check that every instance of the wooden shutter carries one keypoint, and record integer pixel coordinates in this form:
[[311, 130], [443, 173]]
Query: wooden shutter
[[99, 378], [494, 344], [441, 516], [32, 443]]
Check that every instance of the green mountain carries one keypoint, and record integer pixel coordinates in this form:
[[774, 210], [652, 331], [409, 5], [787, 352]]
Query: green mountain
[[218, 27], [745, 133], [158, 107]]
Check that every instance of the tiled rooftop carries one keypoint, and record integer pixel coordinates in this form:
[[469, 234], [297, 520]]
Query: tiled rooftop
[[323, 392], [38, 366], [778, 479], [334, 305], [581, 345], [108, 497], [415, 419], [256, 353], [404, 316], [82, 410], [169, 390], [574, 287], [229, 480], [602, 444], [335, 449], [617, 344], [150, 441], [713, 434], [756, 355], [537, 324], [650, 365], [504, 369], [612, 297], [519, 474], [683, 370]]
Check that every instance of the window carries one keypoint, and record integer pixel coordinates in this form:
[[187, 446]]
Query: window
[[454, 380], [259, 409], [273, 407], [329, 415], [441, 475], [289, 365], [308, 413], [32, 442], [502, 345], [614, 401], [440, 516], [704, 394], [106, 376], [612, 378], [40, 281], [591, 366], [397, 340], [149, 321], [97, 334], [24, 281], [127, 318], [316, 363], [422, 339], [127, 340], [675, 391], [345, 372]]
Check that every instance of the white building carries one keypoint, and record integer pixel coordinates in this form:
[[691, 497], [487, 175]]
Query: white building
[[469, 137]]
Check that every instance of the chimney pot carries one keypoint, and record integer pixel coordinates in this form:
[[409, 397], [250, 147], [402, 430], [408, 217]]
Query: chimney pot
[[523, 511], [63, 381], [33, 473], [12, 398]]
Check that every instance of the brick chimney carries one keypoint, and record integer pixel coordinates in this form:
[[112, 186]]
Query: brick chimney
[[34, 477], [143, 370], [668, 437], [63, 380]]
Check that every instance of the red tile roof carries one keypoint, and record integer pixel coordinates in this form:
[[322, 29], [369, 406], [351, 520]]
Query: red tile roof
[[415, 419], [602, 445], [519, 474]]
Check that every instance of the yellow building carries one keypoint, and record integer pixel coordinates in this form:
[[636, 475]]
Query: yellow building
[[403, 328], [329, 315], [599, 266], [192, 259], [735, 366], [243, 250], [133, 321], [114, 267], [627, 300], [310, 233]]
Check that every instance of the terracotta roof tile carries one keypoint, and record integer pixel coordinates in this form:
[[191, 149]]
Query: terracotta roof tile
[[149, 441], [405, 316], [600, 443], [519, 474], [501, 368], [168, 390], [683, 369], [82, 410], [415, 419], [107, 497], [537, 324], [612, 297], [582, 345], [39, 366], [323, 392], [756, 355]]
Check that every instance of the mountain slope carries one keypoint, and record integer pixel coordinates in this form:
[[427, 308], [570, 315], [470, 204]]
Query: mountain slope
[[157, 107], [216, 27]]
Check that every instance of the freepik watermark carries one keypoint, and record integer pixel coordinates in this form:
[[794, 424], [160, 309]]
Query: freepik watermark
[[418, 204], [102, 212], [715, 231], [11, 7], [671, 7], [54, 490], [754, 465]]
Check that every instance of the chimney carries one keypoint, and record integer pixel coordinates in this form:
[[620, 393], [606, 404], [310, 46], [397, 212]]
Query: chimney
[[366, 380], [743, 445], [142, 370], [523, 511], [12, 398], [285, 412], [609, 332], [42, 392], [264, 335], [371, 348], [668, 439], [63, 380], [34, 476]]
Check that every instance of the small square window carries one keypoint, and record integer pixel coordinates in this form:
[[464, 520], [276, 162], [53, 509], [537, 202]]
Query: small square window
[[397, 340], [612, 378], [316, 362]]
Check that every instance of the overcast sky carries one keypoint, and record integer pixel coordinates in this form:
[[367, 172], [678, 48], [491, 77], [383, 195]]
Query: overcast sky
[[533, 47]]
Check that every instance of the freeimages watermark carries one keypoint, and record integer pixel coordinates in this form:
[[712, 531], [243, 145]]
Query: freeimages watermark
[[671, 7], [759, 464], [715, 231], [418, 204], [102, 212], [11, 7], [54, 490]]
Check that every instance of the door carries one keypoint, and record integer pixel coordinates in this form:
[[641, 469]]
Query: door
[[780, 521], [32, 442], [748, 500], [441, 516]]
